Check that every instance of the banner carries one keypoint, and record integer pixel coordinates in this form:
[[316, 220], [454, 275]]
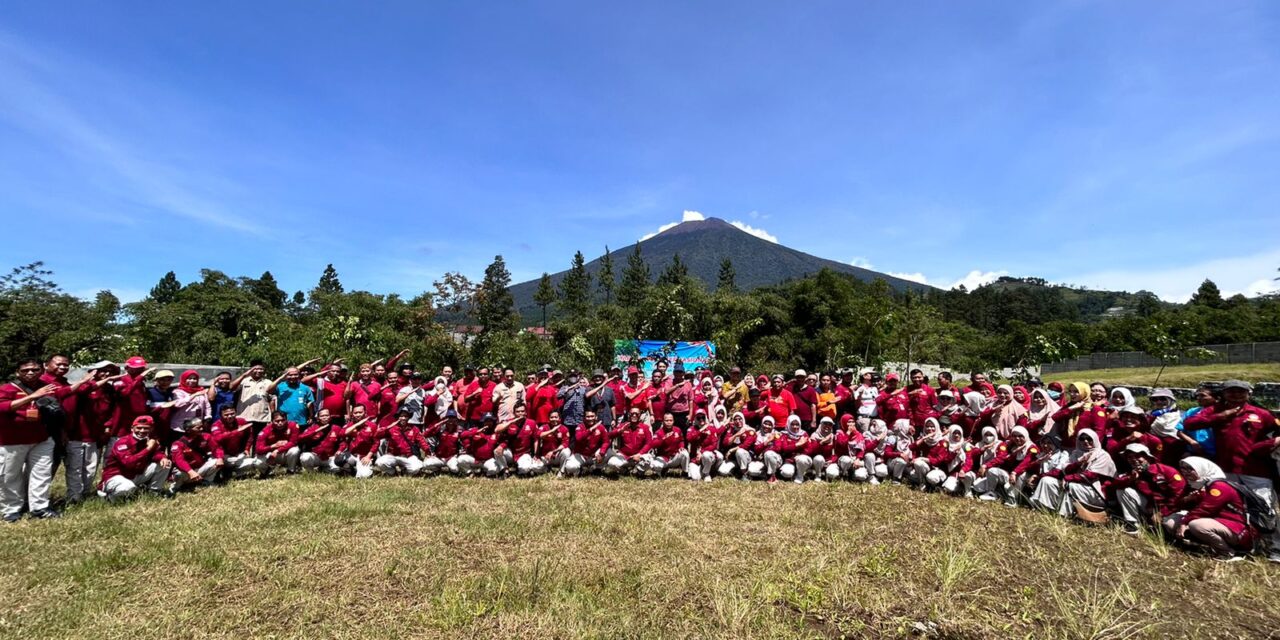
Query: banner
[[645, 354]]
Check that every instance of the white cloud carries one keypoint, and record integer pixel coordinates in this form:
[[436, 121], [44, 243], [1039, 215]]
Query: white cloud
[[1261, 287], [755, 231], [976, 278], [692, 216], [861, 262], [913, 277], [1249, 275]]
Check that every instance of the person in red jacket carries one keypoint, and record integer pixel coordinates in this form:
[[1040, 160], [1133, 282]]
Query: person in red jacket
[[791, 444], [277, 445], [851, 447], [588, 448], [477, 398], [635, 439], [892, 403], [778, 401], [1080, 410], [87, 431], [359, 446], [447, 453], [131, 394], [1130, 427], [822, 448], [404, 446], [26, 446], [922, 401], [136, 459], [738, 442], [519, 436], [1080, 483], [766, 457], [1245, 445], [1149, 487], [321, 441], [934, 453], [704, 439], [552, 447], [484, 447], [196, 456], [1215, 514], [234, 437], [668, 452]]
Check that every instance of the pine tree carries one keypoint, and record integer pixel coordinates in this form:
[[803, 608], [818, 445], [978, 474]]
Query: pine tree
[[675, 273], [329, 282], [545, 295], [167, 289], [605, 279], [495, 308], [727, 279], [635, 280], [268, 290], [1208, 295], [575, 288]]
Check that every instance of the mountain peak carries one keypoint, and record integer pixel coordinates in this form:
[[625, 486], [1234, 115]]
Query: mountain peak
[[697, 225]]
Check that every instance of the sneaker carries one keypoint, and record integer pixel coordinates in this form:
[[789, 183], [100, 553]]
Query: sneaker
[[44, 514], [1131, 528], [1230, 558], [707, 479], [798, 481], [12, 517], [988, 497], [875, 481], [773, 480]]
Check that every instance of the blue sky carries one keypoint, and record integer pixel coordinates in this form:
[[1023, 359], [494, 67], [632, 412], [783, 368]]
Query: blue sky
[[1119, 145]]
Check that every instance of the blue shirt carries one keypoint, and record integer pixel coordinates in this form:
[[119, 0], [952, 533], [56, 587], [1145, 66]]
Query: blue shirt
[[293, 401], [1202, 436]]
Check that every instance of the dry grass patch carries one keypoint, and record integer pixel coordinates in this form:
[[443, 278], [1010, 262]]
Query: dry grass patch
[[316, 556]]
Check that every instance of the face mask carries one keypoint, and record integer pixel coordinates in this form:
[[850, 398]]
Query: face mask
[[988, 439], [1055, 395]]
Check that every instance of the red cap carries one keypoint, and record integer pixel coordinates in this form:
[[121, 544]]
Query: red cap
[[143, 420], [136, 362], [631, 370], [890, 376]]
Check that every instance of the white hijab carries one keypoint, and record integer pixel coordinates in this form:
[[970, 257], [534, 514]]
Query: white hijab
[[1206, 471], [1124, 393], [1096, 460]]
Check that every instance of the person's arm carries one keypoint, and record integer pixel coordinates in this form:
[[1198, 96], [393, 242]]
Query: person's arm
[[235, 384], [1028, 461], [11, 404], [179, 460], [393, 360]]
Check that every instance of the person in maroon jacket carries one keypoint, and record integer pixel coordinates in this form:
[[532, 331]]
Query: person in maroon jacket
[[766, 459], [277, 445], [588, 447], [519, 435], [136, 459], [86, 430], [26, 448], [703, 439], [196, 456], [668, 452], [821, 449], [405, 444], [235, 437], [892, 403], [131, 391], [791, 444], [321, 441], [738, 442], [1215, 513], [922, 401], [1130, 427], [1244, 445], [359, 446], [485, 447], [636, 438], [447, 452], [552, 448], [934, 454], [1148, 488]]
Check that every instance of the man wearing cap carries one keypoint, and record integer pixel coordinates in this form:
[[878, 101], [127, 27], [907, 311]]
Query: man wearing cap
[[447, 454], [1244, 450], [86, 433], [26, 448], [635, 393], [131, 396], [572, 400], [1149, 487], [196, 457], [405, 446], [507, 394], [806, 405], [1129, 428], [601, 397], [278, 443], [160, 398], [135, 460]]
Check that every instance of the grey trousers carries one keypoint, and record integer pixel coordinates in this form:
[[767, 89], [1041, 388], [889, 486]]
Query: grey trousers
[[29, 466], [81, 469]]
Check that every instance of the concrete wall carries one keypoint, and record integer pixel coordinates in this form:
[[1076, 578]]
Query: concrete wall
[[1243, 353]]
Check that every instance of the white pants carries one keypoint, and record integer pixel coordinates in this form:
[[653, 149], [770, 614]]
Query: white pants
[[661, 466], [705, 466], [1262, 488], [995, 486], [1050, 495], [153, 478], [460, 465], [495, 466], [389, 465], [1133, 505], [291, 459], [527, 465], [767, 466], [871, 468], [432, 465], [243, 465], [208, 472], [30, 466], [796, 471], [313, 462], [362, 470], [82, 468], [577, 465], [617, 463]]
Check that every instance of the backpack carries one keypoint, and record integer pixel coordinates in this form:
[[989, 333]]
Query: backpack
[[1258, 512]]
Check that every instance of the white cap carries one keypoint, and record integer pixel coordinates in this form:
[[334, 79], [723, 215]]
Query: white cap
[[800, 372]]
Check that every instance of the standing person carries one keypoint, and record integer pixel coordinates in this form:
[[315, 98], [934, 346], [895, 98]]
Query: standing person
[[507, 394], [978, 382], [196, 457], [458, 388], [633, 393], [922, 401], [806, 400], [1245, 446], [477, 398], [234, 436], [365, 390], [277, 445], [256, 392], [1081, 410], [828, 398], [67, 395], [573, 401], [601, 398], [295, 399], [135, 459], [26, 447], [388, 407], [544, 400], [679, 398], [1199, 441], [892, 404], [778, 401], [1004, 414], [160, 405], [864, 400], [190, 400], [734, 391], [131, 396], [945, 384], [845, 403], [87, 433], [220, 394], [331, 391]]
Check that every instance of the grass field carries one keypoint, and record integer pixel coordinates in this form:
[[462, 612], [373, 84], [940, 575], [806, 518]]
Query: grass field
[[1182, 376], [323, 557]]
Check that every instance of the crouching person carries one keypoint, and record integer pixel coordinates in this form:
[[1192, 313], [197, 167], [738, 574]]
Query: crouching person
[[821, 450], [938, 461], [1149, 488], [667, 450], [485, 449], [277, 445], [1216, 515], [235, 437], [1006, 477], [637, 439], [553, 444], [320, 443], [360, 444], [136, 460], [704, 446], [877, 442], [447, 454], [792, 443], [588, 448], [740, 440], [404, 444], [766, 459], [196, 457], [1078, 486]]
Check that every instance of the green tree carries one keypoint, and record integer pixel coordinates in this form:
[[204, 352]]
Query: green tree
[[635, 280], [495, 308], [167, 289], [675, 273], [605, 277], [575, 288], [1208, 295], [266, 288], [727, 280], [329, 283], [544, 296], [38, 319]]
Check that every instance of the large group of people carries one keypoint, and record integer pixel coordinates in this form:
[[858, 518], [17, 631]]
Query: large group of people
[[1204, 477]]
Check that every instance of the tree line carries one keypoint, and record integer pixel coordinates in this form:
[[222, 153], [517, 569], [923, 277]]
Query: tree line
[[824, 321]]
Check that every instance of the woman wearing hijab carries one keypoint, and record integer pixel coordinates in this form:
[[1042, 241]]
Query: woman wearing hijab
[[794, 440], [1215, 515], [972, 403], [1080, 483], [961, 464], [933, 454], [1164, 420], [850, 448], [877, 445], [739, 442], [190, 400], [822, 449], [1020, 395], [898, 451], [1081, 410], [1005, 413], [1040, 422], [989, 453], [703, 440], [766, 460], [1129, 427]]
